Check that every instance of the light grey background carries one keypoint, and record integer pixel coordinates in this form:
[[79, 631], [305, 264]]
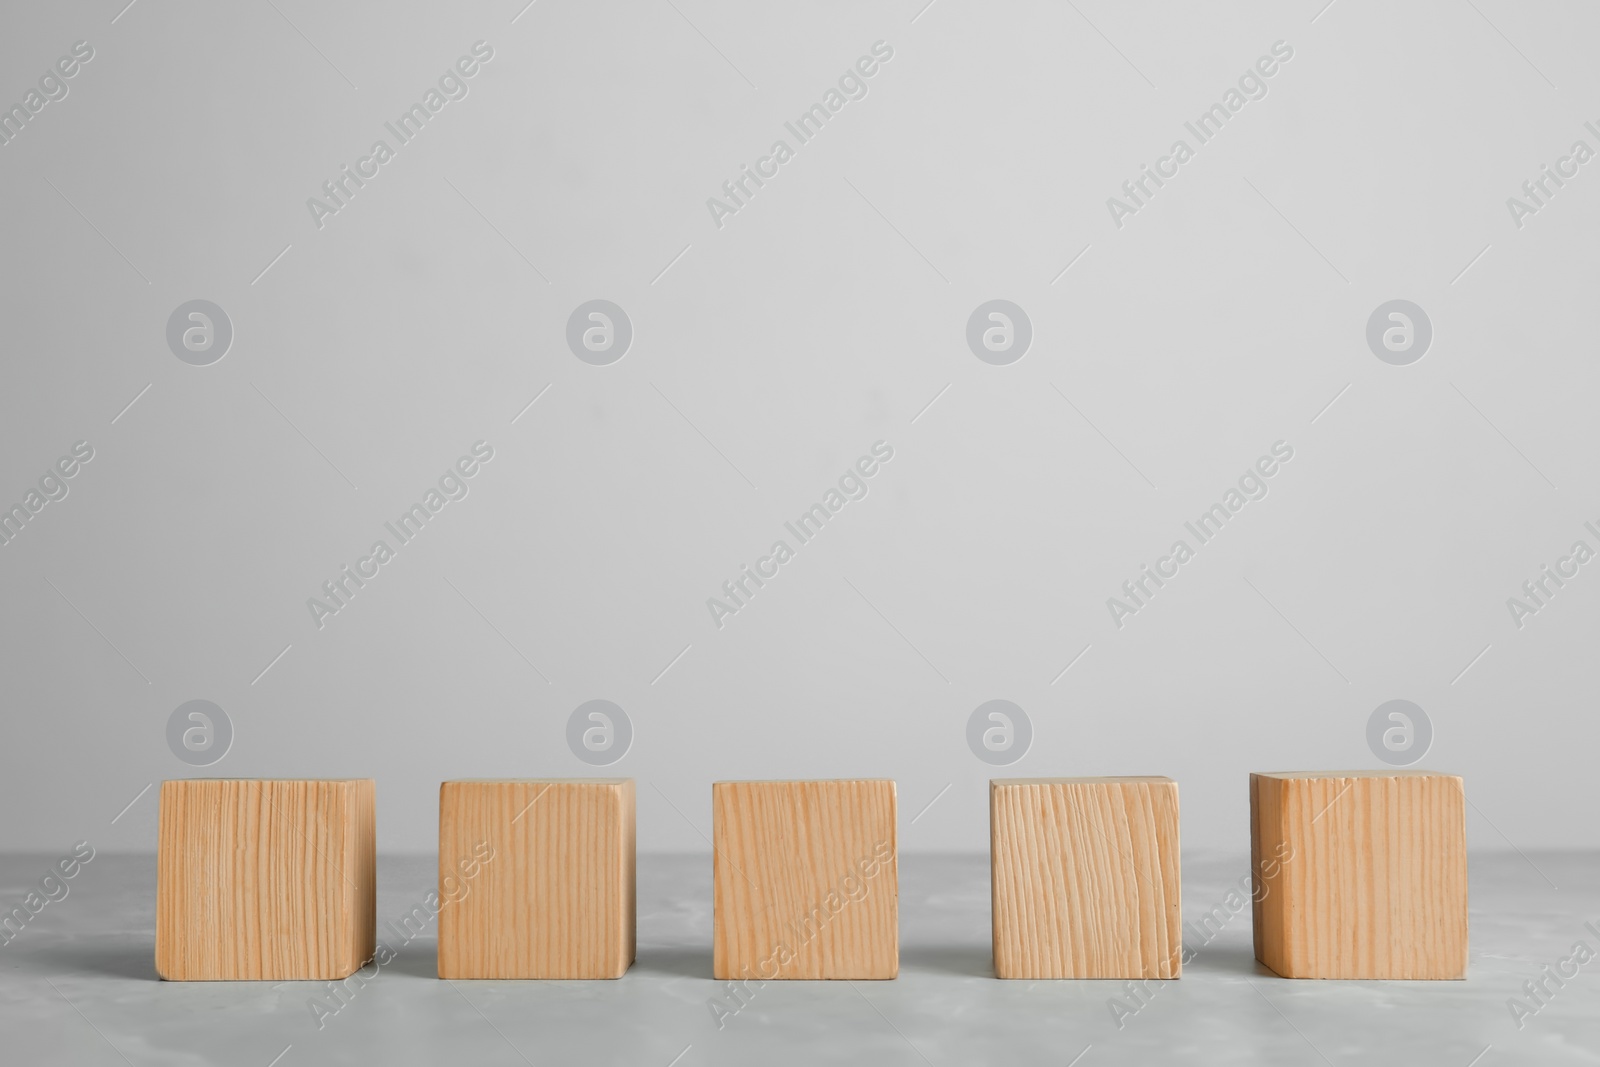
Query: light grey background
[[767, 356]]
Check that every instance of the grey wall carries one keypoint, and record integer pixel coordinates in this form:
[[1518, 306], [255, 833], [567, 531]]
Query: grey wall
[[769, 352]]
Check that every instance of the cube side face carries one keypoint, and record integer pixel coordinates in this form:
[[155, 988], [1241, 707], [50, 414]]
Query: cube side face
[[536, 879], [465, 825], [1085, 879], [1255, 865], [1374, 878], [629, 879], [264, 880], [805, 880], [1272, 875], [360, 827], [181, 865]]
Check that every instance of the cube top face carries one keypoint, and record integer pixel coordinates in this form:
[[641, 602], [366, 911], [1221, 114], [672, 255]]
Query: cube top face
[[822, 784], [1114, 779], [536, 878], [536, 781], [1360, 874], [1085, 877], [265, 880], [805, 879], [267, 781], [1391, 772]]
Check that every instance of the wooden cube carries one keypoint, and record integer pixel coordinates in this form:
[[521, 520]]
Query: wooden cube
[[1360, 874], [265, 880], [805, 880], [1085, 877], [536, 878]]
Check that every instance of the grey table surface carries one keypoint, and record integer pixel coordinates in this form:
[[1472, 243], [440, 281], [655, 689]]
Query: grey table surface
[[78, 986]]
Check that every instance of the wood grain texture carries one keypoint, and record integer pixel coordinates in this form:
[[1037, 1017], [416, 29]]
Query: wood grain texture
[[1085, 878], [805, 880], [555, 897], [1360, 874], [265, 880]]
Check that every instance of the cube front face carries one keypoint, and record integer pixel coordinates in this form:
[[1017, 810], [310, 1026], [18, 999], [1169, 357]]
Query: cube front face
[[1085, 878], [805, 880], [265, 880], [1360, 874], [536, 878]]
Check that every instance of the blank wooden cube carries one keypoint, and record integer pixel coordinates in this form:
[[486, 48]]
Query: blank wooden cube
[[1085, 877], [1360, 874], [536, 878], [265, 880], [805, 879]]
